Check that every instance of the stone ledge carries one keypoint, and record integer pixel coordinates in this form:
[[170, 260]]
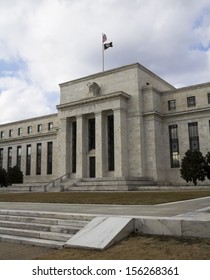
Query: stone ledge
[[173, 226]]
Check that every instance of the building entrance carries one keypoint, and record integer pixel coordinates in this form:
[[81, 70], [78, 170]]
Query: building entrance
[[92, 167]]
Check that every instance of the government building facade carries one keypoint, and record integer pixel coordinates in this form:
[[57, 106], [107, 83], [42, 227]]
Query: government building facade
[[122, 124]]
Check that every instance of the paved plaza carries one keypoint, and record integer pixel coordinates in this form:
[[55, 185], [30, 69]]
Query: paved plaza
[[188, 208]]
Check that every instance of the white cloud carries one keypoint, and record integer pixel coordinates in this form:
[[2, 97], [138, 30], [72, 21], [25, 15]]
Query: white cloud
[[59, 40]]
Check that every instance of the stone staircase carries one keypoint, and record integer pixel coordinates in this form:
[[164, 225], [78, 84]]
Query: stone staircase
[[46, 229], [108, 184]]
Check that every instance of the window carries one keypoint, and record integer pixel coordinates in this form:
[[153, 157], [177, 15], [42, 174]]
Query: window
[[19, 154], [193, 136], [49, 157], [50, 126], [29, 129], [2, 134], [9, 162], [28, 159], [191, 101], [20, 131], [91, 134], [74, 146], [38, 158], [1, 157], [39, 128], [10, 132], [110, 128], [171, 105], [208, 97], [174, 145]]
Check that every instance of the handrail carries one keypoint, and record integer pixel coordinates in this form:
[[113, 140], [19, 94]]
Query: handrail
[[59, 180]]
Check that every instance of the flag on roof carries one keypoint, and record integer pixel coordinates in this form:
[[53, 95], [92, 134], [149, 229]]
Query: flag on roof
[[108, 45], [104, 38]]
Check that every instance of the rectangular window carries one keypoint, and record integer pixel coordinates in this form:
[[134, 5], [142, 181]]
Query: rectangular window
[[91, 134], [20, 131], [19, 154], [171, 105], [1, 157], [38, 158], [49, 157], [50, 126], [9, 162], [191, 101], [28, 160], [110, 128], [174, 145], [2, 134], [29, 129], [39, 128], [10, 132], [74, 146], [193, 136], [208, 97]]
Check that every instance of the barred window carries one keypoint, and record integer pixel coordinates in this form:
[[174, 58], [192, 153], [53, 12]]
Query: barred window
[[28, 160], [174, 146], [49, 157], [171, 105], [38, 158], [193, 136], [191, 101]]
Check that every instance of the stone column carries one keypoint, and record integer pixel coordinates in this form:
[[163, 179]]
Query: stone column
[[99, 144], [81, 165], [63, 147], [120, 143]]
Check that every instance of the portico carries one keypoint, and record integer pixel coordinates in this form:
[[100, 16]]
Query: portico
[[93, 136]]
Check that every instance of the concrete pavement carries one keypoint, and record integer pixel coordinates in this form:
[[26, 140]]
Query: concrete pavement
[[160, 210]]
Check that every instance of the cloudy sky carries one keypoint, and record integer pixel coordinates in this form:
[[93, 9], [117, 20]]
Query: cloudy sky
[[47, 42]]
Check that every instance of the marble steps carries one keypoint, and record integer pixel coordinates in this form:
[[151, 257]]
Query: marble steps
[[35, 234], [114, 184], [40, 228], [31, 241]]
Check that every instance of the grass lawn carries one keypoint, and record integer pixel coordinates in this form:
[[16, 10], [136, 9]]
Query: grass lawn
[[126, 198], [139, 247]]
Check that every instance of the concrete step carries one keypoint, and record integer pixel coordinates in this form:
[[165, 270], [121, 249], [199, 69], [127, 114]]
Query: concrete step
[[109, 184], [35, 234], [47, 215], [72, 229], [49, 229], [46, 221], [31, 241]]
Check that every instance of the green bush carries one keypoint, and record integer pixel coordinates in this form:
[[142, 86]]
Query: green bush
[[193, 167], [12, 176], [15, 175], [3, 178]]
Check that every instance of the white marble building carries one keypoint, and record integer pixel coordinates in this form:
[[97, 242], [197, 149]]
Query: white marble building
[[126, 123]]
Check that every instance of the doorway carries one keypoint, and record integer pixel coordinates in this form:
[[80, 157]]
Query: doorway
[[92, 167]]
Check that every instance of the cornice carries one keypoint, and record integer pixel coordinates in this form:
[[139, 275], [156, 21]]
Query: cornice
[[93, 100], [27, 137]]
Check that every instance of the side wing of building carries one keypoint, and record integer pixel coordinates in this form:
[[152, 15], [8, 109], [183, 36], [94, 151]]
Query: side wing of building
[[31, 145]]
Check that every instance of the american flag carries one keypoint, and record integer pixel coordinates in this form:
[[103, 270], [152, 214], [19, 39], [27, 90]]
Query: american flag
[[104, 38]]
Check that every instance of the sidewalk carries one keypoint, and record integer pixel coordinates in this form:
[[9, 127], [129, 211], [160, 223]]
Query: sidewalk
[[161, 210]]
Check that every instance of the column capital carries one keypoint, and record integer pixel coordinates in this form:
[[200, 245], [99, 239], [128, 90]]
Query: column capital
[[79, 116], [119, 109], [98, 113]]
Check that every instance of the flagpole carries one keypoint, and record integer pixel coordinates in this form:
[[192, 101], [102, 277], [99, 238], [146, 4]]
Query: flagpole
[[102, 53]]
